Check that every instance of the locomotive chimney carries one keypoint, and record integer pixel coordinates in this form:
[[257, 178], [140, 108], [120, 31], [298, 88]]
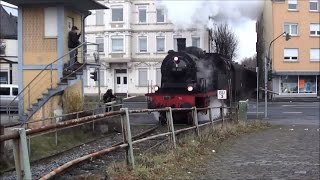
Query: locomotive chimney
[[181, 43]]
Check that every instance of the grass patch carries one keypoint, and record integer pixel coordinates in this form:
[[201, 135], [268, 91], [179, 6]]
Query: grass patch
[[168, 163], [45, 145]]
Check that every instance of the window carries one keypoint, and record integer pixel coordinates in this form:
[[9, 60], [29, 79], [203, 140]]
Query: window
[[291, 54], [307, 84], [14, 91], [292, 4], [315, 54], [142, 14], [289, 84], [315, 29], [4, 78], [125, 80], [142, 44], [314, 5], [158, 76], [4, 91], [99, 17], [118, 80], [50, 22], [160, 44], [292, 29], [100, 42], [160, 15], [117, 44], [117, 14], [143, 76], [2, 47], [196, 41]]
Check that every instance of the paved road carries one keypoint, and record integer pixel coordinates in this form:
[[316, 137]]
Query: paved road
[[288, 151], [288, 112]]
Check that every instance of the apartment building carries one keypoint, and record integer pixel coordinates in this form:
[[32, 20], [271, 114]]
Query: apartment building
[[295, 63], [133, 36]]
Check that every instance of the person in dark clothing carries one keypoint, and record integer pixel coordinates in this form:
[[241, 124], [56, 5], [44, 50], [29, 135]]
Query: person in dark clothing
[[108, 97], [73, 42]]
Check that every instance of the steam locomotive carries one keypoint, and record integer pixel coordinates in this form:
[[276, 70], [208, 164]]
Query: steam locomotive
[[190, 77]]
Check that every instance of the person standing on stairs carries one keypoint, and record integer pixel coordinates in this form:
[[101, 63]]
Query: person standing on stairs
[[73, 42]]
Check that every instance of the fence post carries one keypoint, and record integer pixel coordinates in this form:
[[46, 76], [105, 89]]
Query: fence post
[[17, 158], [93, 122], [129, 137], [237, 114], [21, 156], [170, 126], [222, 114], [195, 120], [210, 118], [124, 133], [29, 145]]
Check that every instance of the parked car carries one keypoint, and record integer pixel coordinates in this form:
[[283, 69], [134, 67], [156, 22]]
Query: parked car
[[7, 93]]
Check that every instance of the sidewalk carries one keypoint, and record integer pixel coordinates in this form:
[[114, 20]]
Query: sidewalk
[[284, 152]]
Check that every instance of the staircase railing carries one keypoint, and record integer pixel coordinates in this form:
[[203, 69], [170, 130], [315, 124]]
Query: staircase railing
[[45, 79]]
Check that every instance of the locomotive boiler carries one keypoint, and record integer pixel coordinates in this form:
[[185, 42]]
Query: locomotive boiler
[[190, 77]]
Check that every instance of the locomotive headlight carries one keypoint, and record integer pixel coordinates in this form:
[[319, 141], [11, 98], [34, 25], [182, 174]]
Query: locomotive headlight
[[156, 88], [175, 58], [190, 88]]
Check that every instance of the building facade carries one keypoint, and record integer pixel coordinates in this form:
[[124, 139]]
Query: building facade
[[295, 64], [8, 48], [133, 36]]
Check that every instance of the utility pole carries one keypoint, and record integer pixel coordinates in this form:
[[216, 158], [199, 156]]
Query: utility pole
[[97, 60], [266, 59], [257, 108]]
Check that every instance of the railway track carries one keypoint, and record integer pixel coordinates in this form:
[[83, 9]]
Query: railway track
[[95, 168], [46, 165]]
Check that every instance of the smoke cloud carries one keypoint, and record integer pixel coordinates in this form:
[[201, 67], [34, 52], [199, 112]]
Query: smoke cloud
[[186, 14], [241, 15]]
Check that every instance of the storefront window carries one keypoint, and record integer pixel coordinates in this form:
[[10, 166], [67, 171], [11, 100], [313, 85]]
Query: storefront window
[[307, 84], [289, 84]]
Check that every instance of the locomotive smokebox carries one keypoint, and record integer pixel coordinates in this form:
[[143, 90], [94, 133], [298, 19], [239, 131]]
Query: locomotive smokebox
[[181, 42]]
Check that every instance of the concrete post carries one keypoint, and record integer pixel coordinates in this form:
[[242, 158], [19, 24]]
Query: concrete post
[[171, 127], [195, 120]]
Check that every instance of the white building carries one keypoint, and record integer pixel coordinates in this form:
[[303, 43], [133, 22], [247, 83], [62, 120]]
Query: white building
[[134, 37]]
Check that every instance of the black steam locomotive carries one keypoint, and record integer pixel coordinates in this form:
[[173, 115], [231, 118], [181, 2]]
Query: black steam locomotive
[[190, 77]]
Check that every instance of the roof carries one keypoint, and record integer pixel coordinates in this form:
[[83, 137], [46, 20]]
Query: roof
[[8, 28], [81, 5]]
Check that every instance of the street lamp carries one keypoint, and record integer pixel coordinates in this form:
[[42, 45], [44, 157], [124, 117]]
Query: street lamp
[[267, 58]]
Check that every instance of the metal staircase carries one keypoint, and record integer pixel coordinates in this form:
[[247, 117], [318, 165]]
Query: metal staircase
[[46, 84]]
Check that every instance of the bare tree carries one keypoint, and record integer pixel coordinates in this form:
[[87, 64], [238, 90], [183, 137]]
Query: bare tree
[[224, 41], [250, 63]]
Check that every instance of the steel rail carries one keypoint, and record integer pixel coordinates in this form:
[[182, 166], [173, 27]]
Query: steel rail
[[114, 147]]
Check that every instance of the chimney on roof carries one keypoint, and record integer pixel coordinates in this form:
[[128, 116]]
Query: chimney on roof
[[181, 43]]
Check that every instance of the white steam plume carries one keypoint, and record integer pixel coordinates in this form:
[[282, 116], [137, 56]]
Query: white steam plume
[[239, 14], [215, 111], [187, 13]]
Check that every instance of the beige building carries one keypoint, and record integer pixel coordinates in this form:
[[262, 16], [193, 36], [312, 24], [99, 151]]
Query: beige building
[[134, 37], [295, 64]]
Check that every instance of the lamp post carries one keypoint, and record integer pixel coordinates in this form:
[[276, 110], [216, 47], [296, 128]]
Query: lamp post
[[267, 58]]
